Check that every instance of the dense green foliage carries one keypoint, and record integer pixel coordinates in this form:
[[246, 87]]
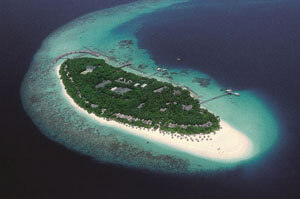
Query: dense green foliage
[[81, 87]]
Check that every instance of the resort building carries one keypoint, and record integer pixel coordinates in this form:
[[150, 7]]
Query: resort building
[[144, 85], [88, 69], [160, 89], [120, 90], [187, 107], [103, 84]]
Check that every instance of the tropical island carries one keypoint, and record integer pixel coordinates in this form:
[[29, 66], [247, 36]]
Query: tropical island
[[154, 110], [115, 94]]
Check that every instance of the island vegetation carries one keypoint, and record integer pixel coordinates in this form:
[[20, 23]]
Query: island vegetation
[[116, 94]]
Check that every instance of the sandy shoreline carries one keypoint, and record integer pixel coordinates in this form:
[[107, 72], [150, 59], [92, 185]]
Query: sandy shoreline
[[227, 144]]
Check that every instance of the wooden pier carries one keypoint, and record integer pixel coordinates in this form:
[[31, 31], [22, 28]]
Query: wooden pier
[[76, 52], [214, 98], [228, 92], [125, 65]]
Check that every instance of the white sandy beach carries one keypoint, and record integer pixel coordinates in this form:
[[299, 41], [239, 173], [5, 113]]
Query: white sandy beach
[[227, 144]]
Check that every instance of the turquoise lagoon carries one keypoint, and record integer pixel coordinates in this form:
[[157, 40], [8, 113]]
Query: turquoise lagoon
[[102, 31]]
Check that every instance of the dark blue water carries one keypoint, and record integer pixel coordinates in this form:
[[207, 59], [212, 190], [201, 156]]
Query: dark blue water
[[253, 46], [243, 46]]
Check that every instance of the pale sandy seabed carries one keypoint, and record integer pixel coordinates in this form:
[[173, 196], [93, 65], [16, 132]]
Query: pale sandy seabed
[[249, 131]]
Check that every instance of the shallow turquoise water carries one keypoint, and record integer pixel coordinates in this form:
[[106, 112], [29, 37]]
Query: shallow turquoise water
[[101, 31]]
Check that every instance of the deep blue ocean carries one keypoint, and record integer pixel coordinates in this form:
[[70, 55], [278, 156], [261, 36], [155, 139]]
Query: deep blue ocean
[[251, 45]]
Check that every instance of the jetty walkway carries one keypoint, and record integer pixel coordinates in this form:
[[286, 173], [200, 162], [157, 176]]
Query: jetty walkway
[[153, 74], [214, 98], [125, 65], [93, 53], [228, 92]]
